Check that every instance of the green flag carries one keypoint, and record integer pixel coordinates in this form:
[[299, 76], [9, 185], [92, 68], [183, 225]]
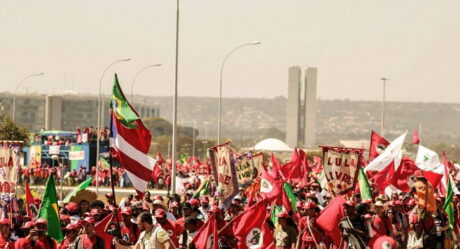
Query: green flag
[[364, 187], [276, 210], [82, 186], [49, 210], [291, 196], [183, 158], [121, 107], [104, 164], [449, 204], [203, 189]]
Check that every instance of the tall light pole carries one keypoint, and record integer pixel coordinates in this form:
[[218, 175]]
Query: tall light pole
[[16, 90], [137, 74], [382, 124], [99, 110], [193, 140], [174, 124], [220, 85]]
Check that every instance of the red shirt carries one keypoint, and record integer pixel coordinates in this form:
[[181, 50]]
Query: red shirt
[[4, 242], [130, 233], [65, 244], [88, 243], [379, 227], [174, 230], [45, 243]]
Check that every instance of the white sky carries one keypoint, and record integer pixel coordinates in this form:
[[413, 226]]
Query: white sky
[[353, 43]]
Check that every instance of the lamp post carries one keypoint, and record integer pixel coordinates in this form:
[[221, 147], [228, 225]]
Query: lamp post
[[220, 85], [16, 90], [137, 74], [204, 142], [193, 139], [174, 118], [99, 110], [382, 121]]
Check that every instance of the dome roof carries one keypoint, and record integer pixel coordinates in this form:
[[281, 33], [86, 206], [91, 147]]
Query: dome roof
[[272, 144]]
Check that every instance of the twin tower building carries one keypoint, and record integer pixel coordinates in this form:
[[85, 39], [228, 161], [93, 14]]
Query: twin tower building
[[301, 107]]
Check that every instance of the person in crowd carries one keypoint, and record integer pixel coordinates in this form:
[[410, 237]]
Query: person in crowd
[[89, 239], [284, 234], [151, 237]]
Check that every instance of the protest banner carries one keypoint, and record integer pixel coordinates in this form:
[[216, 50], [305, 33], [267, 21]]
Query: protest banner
[[9, 166], [224, 172], [341, 168], [248, 167]]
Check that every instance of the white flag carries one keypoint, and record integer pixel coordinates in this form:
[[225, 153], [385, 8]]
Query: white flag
[[392, 153]]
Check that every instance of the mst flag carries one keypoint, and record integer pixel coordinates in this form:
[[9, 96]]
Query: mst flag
[[49, 210], [250, 229], [130, 140], [377, 146], [31, 208], [207, 237]]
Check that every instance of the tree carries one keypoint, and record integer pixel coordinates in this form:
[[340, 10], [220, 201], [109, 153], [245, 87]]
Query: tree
[[10, 130], [274, 132]]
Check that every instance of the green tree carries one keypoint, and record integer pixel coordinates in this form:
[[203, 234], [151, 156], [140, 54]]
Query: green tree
[[10, 130], [274, 132]]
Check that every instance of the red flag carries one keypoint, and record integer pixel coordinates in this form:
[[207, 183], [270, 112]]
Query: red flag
[[293, 170], [329, 218], [275, 166], [317, 161], [160, 159], [156, 172], [30, 202], [207, 235], [270, 187], [99, 229], [378, 145], [415, 137], [250, 229]]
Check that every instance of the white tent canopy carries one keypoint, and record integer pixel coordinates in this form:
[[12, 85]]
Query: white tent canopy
[[272, 144]]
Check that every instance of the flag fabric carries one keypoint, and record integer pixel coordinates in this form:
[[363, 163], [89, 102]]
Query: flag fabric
[[130, 140], [99, 228], [377, 146], [248, 228], [270, 187], [449, 201], [401, 176], [30, 204], [428, 161], [415, 137], [275, 172], [329, 218], [386, 163], [293, 169], [49, 210], [183, 158], [276, 209], [206, 236], [203, 189], [82, 186], [104, 164], [364, 187], [290, 195]]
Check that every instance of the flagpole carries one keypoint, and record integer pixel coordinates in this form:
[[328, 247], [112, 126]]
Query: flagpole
[[420, 134], [382, 124], [112, 182], [174, 125]]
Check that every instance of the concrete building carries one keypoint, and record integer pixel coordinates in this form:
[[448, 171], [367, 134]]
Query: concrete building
[[301, 107], [63, 112]]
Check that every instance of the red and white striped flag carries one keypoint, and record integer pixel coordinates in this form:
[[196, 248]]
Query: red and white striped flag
[[130, 140]]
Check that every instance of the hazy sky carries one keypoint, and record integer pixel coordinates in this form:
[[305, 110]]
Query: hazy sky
[[416, 43]]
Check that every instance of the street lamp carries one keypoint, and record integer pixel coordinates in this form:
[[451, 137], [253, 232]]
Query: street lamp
[[204, 142], [174, 118], [220, 85], [16, 90], [382, 121], [137, 74], [98, 135]]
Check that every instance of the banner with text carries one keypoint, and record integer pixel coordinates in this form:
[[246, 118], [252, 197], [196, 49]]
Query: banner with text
[[341, 167], [248, 167], [224, 172], [9, 165]]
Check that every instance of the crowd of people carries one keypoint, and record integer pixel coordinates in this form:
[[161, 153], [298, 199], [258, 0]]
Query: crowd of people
[[402, 220]]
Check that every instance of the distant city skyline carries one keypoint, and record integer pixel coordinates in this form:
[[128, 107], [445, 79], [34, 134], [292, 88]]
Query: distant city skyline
[[413, 43]]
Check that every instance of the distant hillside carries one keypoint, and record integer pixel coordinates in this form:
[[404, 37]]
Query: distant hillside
[[336, 119]]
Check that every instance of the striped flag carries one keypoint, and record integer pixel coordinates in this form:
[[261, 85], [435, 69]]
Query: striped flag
[[130, 140]]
